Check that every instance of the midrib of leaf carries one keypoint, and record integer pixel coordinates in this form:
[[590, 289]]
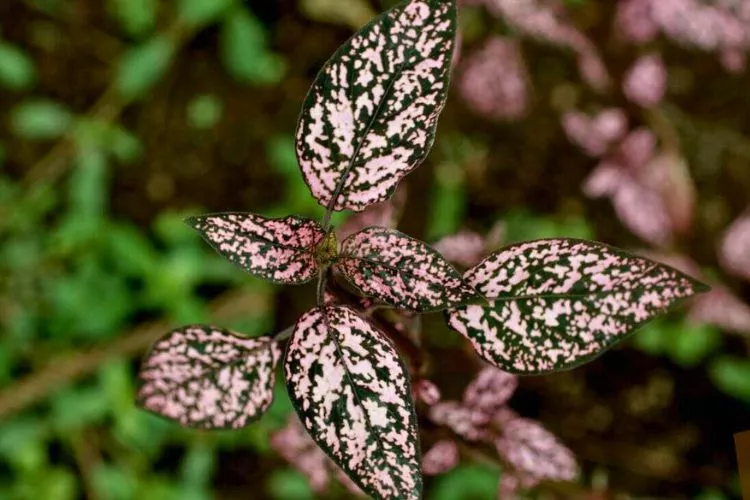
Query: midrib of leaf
[[352, 161], [350, 381]]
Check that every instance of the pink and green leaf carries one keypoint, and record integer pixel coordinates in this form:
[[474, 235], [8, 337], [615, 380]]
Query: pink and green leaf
[[277, 250], [209, 378], [370, 116], [554, 304], [352, 394], [402, 271]]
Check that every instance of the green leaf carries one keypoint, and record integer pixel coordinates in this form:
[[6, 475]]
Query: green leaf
[[732, 375], [467, 483], [143, 66], [204, 111], [40, 119], [287, 484], [17, 70], [448, 203], [244, 52], [202, 12], [136, 17], [690, 344], [123, 144]]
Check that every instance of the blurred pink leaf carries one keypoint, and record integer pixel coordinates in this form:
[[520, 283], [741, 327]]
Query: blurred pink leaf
[[351, 392], [636, 150], [595, 134], [383, 214], [734, 249], [464, 421], [209, 378], [646, 81], [370, 116], [494, 81], [441, 458], [722, 308], [465, 248], [554, 304], [535, 454], [297, 447], [402, 271], [427, 392], [277, 250], [642, 211], [634, 21], [490, 391]]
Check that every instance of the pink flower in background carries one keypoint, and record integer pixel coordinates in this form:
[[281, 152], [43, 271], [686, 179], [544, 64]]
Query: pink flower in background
[[734, 250], [595, 134], [494, 81], [646, 81]]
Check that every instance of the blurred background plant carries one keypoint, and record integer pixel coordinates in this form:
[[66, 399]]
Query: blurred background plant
[[626, 122]]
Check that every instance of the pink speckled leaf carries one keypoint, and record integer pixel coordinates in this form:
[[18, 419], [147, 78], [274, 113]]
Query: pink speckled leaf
[[554, 304], [490, 390], [208, 378], [535, 453], [352, 394], [370, 116], [277, 250], [734, 252], [427, 392], [403, 271], [441, 458]]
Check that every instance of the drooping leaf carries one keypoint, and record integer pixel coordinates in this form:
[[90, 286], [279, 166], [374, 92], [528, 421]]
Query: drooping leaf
[[277, 250], [490, 390], [554, 304], [370, 116], [209, 378], [535, 453], [402, 271], [351, 392], [442, 457]]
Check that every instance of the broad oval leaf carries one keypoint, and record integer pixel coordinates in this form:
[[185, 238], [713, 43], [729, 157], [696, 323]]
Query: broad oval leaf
[[370, 116], [464, 421], [402, 271], [209, 378], [554, 304], [535, 453], [352, 394], [277, 250]]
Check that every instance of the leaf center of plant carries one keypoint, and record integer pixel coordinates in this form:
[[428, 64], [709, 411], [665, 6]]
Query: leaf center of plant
[[326, 252]]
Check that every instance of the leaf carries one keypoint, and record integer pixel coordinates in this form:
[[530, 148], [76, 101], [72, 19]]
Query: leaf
[[554, 304], [136, 17], [383, 214], [464, 421], [209, 378], [535, 453], [465, 248], [734, 251], [731, 374], [277, 250], [17, 70], [143, 66], [351, 392], [441, 458], [402, 271], [244, 52], [490, 390], [40, 119], [370, 116], [202, 12]]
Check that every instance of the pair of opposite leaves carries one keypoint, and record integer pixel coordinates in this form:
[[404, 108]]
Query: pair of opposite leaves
[[368, 120]]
